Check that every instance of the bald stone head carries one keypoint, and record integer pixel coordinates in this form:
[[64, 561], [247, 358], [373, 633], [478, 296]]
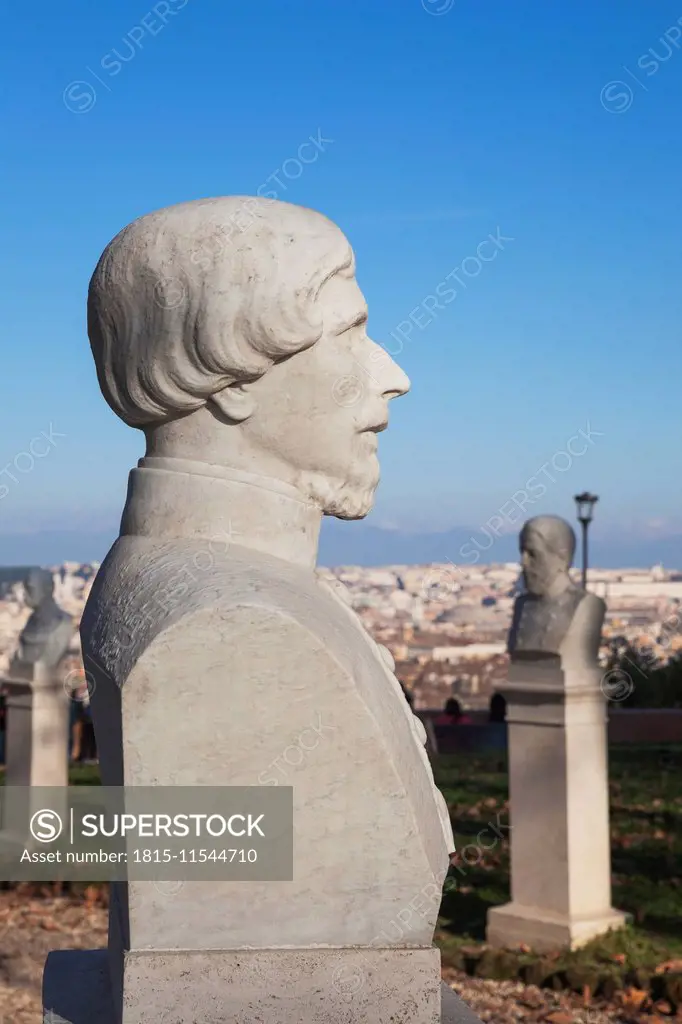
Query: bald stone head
[[547, 548]]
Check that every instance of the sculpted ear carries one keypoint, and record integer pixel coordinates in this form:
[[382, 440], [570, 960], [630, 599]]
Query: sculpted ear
[[234, 403]]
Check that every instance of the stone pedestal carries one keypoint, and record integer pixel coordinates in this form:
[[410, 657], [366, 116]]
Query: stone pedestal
[[558, 785], [77, 990], [37, 749], [37, 739]]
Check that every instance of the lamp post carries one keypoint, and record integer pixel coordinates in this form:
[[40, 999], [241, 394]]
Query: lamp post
[[585, 503]]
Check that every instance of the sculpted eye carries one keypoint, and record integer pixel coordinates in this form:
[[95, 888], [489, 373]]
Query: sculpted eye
[[355, 326]]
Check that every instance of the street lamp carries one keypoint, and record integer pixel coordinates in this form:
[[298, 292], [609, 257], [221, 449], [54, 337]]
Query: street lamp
[[585, 503]]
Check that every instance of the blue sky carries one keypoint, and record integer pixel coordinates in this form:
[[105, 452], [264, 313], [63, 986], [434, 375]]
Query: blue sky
[[448, 122]]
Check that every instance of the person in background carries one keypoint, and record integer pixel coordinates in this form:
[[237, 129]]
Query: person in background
[[498, 708], [76, 720], [452, 714], [89, 746]]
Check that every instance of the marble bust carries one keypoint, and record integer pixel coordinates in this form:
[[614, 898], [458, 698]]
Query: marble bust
[[553, 618], [557, 756], [47, 635], [209, 600]]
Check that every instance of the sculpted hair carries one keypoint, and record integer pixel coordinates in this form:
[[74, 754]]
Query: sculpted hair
[[191, 299], [556, 533]]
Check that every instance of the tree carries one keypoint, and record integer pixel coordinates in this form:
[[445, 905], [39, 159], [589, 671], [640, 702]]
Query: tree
[[637, 680]]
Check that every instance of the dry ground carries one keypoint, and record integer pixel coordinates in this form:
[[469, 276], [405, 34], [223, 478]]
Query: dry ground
[[31, 927]]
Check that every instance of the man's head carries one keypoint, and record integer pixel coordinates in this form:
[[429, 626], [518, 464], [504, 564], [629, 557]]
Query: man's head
[[453, 707], [547, 547], [232, 332], [38, 586]]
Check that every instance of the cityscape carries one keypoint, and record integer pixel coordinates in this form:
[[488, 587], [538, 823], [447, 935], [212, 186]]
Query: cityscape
[[445, 625]]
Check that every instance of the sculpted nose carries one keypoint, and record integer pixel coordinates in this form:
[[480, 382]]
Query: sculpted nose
[[391, 380], [399, 382]]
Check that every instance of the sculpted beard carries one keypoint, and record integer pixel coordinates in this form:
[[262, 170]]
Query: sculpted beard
[[351, 498]]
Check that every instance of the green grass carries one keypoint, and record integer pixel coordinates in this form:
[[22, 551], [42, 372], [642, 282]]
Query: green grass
[[79, 775], [646, 849], [84, 775], [646, 837]]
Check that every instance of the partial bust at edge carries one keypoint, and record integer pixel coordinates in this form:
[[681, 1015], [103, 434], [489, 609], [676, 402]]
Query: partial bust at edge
[[47, 635]]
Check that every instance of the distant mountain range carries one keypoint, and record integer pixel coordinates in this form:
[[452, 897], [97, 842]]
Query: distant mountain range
[[363, 544]]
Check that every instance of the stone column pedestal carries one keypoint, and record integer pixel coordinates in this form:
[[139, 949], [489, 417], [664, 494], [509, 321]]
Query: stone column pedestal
[[558, 786], [37, 749], [37, 739]]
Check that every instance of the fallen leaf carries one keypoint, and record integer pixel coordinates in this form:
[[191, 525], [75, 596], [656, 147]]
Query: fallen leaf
[[532, 999], [558, 1017], [663, 1006], [91, 895], [48, 924], [669, 965], [634, 997]]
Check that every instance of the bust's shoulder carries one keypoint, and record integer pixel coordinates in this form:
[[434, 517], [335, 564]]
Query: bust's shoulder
[[588, 618], [145, 589], [590, 604], [167, 575]]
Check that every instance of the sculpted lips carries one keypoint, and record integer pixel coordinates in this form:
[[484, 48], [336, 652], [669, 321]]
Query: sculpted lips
[[377, 427], [371, 433]]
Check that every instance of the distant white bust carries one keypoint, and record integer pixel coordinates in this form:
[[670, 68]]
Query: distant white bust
[[554, 617], [245, 359]]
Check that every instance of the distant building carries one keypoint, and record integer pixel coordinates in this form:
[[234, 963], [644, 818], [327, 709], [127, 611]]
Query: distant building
[[467, 652], [648, 590]]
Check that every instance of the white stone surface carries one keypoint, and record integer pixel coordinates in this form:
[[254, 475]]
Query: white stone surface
[[76, 990], [261, 397], [379, 986], [37, 727], [36, 748], [558, 770]]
